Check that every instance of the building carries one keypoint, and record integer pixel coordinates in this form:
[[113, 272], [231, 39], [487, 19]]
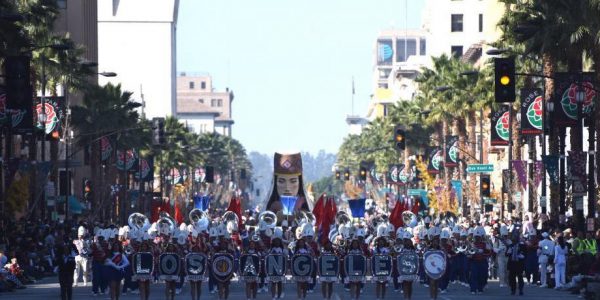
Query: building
[[137, 40], [201, 107]]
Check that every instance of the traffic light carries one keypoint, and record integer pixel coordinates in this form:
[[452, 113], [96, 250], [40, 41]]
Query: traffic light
[[363, 173], [347, 174], [18, 85], [87, 189], [485, 186], [399, 138], [338, 175], [504, 79], [54, 135], [158, 131]]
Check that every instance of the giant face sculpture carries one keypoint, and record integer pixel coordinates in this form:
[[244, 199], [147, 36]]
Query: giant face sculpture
[[288, 185]]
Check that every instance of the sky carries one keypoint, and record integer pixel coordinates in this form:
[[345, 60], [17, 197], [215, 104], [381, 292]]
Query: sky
[[289, 63]]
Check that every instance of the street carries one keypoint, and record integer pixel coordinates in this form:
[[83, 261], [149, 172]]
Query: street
[[49, 289]]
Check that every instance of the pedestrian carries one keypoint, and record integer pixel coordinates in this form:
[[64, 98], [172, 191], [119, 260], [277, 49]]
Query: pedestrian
[[545, 252], [65, 266], [516, 263], [560, 262], [500, 249]]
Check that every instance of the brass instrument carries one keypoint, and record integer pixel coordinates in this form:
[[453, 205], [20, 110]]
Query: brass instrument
[[230, 221], [409, 218], [166, 224], [461, 247], [128, 250], [268, 220], [137, 221]]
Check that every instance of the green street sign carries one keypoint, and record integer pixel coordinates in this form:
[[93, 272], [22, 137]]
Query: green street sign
[[480, 168], [487, 200], [416, 192]]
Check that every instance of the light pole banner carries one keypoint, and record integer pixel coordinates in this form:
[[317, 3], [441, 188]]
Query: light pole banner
[[451, 151], [551, 166], [576, 166], [500, 127], [519, 166], [435, 161], [458, 189], [539, 171], [532, 109], [566, 89]]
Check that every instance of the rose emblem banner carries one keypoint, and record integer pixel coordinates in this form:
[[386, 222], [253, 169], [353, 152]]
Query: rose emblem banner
[[435, 160], [55, 113], [532, 109], [126, 159], [566, 88], [146, 169], [106, 148], [451, 151], [500, 126]]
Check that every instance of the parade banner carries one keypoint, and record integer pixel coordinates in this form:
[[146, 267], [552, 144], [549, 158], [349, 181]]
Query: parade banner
[[146, 169], [435, 160], [538, 167], [328, 267], [434, 262], [249, 267], [275, 267], [301, 267], [381, 267], [519, 167], [394, 173], [222, 266], [408, 265], [126, 159], [355, 267], [195, 266], [451, 148], [576, 163], [532, 109], [106, 148], [500, 126], [55, 114], [357, 207], [143, 266], [169, 266], [457, 186], [551, 166], [566, 88], [20, 105]]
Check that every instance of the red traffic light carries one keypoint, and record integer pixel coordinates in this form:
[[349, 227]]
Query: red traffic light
[[55, 135]]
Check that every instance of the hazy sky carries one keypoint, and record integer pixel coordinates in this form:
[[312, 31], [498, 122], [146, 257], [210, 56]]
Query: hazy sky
[[289, 63]]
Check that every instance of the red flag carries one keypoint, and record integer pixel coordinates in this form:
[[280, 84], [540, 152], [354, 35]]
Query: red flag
[[235, 205], [329, 210], [396, 215], [318, 210], [178, 215]]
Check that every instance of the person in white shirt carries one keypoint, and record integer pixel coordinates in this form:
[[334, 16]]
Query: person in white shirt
[[500, 250], [545, 251], [560, 262]]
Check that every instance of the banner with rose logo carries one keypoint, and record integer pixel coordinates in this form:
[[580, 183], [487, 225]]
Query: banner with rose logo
[[146, 169], [106, 148], [500, 126], [451, 151], [55, 114], [126, 159], [394, 171], [435, 160], [532, 108], [566, 88]]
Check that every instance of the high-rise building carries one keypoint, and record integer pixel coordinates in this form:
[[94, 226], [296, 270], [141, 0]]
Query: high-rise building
[[137, 40], [201, 106]]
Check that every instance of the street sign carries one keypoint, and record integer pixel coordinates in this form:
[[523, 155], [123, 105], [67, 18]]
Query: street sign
[[480, 168], [416, 192], [487, 200]]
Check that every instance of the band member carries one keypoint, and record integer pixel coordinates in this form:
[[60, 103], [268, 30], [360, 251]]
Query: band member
[[355, 284], [500, 247], [144, 283], [478, 261], [447, 246], [99, 254], [531, 257], [381, 247], [65, 265], [171, 285], [251, 284], [129, 246], [545, 251], [277, 248], [407, 283], [516, 263], [225, 246], [302, 285], [82, 264], [197, 244], [327, 285], [115, 266], [434, 244]]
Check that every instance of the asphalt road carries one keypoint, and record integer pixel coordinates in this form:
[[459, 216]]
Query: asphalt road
[[48, 289]]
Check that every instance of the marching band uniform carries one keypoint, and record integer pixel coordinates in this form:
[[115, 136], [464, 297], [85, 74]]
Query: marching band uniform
[[82, 264], [516, 263], [251, 285], [381, 248], [144, 283], [327, 284], [434, 234], [407, 282], [277, 248], [501, 258], [478, 262], [99, 254], [114, 270], [302, 285], [450, 255]]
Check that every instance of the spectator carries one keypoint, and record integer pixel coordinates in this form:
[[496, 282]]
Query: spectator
[[560, 262]]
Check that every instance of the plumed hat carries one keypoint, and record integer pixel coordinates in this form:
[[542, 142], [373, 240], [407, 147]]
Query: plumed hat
[[288, 164]]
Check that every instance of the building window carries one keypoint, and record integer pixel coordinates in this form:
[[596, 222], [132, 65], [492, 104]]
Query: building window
[[203, 85], [457, 51], [456, 23], [422, 47], [201, 100], [220, 102], [213, 102], [384, 73], [480, 22], [405, 49], [191, 85]]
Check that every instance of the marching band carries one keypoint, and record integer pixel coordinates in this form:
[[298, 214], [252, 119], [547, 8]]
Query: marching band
[[264, 255]]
